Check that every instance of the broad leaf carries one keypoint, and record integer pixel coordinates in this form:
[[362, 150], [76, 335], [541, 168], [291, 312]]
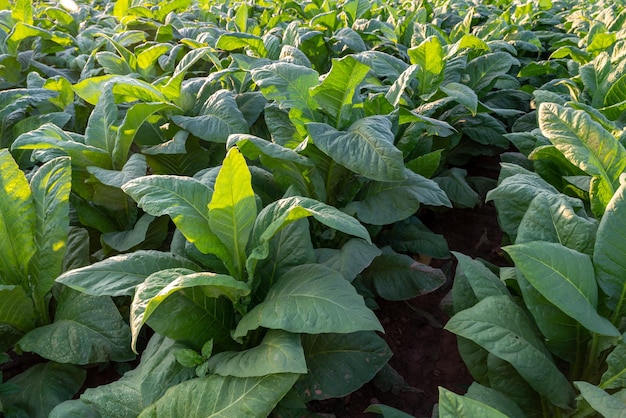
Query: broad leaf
[[119, 275], [17, 315], [615, 375], [339, 364], [463, 94], [218, 118], [185, 200], [484, 70], [310, 299], [552, 218], [278, 352], [17, 222], [605, 404], [217, 396], [609, 255], [501, 327], [496, 399], [159, 286], [43, 386], [279, 214], [50, 186], [565, 277], [429, 55], [397, 276], [134, 168], [336, 93], [588, 146], [350, 260], [384, 203], [86, 329], [138, 388], [101, 128], [452, 405], [365, 148], [232, 210]]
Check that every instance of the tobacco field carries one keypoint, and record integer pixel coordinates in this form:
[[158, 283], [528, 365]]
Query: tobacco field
[[212, 208]]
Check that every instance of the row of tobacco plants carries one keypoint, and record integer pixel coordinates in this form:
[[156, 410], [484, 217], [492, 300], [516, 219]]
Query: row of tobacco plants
[[209, 198]]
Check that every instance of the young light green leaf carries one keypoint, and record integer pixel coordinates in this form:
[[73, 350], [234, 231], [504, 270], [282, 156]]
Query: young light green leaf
[[336, 93], [237, 40], [339, 364], [17, 222], [566, 278], [429, 56], [397, 89], [278, 352], [605, 404], [43, 386], [50, 186], [205, 397], [133, 120], [119, 275], [125, 89], [232, 210], [452, 405], [501, 327], [365, 148], [609, 255], [86, 329], [185, 200], [310, 299]]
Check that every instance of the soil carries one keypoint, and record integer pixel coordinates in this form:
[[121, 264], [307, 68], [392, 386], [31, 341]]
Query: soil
[[424, 353]]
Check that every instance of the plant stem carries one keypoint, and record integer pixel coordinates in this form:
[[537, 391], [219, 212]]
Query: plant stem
[[575, 370], [591, 359], [42, 317]]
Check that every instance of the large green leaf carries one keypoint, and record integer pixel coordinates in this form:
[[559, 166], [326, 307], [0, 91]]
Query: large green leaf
[[397, 276], [384, 203], [86, 329], [138, 388], [587, 145], [452, 405], [17, 222], [281, 213], [552, 218], [134, 168], [159, 286], [484, 70], [513, 196], [350, 260], [102, 126], [50, 187], [310, 299], [501, 327], [336, 93], [125, 89], [43, 386], [289, 85], [496, 399], [609, 254], [185, 200], [615, 375], [483, 282], [232, 210], [607, 405], [49, 136], [119, 275], [217, 396], [339, 364], [17, 315], [365, 148], [218, 118], [565, 277], [135, 117], [278, 352]]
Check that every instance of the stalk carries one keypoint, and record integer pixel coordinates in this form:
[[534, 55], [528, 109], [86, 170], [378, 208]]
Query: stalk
[[591, 359]]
